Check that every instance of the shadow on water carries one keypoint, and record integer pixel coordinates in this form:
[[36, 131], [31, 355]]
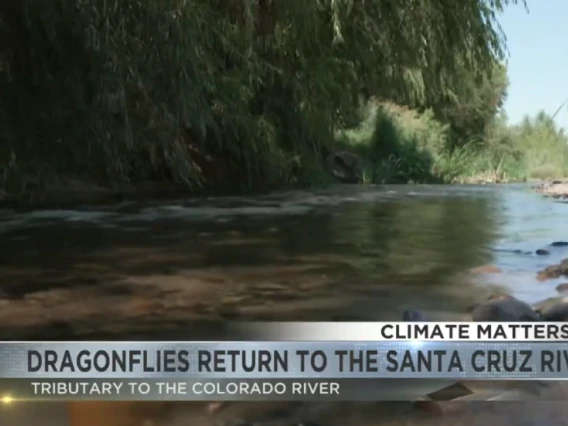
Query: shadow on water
[[143, 271]]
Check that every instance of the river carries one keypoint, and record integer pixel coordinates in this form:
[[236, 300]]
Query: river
[[343, 253], [182, 269]]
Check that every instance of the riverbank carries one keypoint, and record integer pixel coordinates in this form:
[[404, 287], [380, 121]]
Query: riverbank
[[391, 144], [68, 192], [77, 193]]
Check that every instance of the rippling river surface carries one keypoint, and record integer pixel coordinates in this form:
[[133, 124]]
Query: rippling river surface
[[182, 268]]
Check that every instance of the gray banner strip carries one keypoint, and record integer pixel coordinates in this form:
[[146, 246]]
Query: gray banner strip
[[256, 390]]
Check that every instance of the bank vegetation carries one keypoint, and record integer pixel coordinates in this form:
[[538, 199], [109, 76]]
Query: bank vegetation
[[254, 94]]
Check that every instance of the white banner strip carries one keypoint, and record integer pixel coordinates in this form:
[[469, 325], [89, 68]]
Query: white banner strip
[[399, 331]]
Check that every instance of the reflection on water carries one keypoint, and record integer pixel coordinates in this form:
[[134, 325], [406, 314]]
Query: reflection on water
[[346, 253]]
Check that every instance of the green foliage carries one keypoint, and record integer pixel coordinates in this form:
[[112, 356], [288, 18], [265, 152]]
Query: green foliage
[[224, 92], [398, 144], [533, 149], [402, 145], [544, 147], [471, 109]]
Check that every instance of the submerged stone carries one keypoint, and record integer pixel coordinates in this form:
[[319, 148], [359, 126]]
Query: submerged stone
[[557, 312], [553, 308], [504, 308]]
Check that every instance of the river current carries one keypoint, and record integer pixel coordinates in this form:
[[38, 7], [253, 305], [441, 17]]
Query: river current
[[181, 268]]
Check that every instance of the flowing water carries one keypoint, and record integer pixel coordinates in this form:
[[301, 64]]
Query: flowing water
[[344, 253], [184, 268]]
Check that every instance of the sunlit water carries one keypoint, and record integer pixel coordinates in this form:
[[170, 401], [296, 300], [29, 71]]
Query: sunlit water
[[352, 253]]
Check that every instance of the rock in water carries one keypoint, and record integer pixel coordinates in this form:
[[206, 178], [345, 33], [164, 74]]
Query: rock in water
[[542, 252], [495, 296], [557, 312], [500, 296], [554, 271], [559, 244], [412, 315], [548, 303], [344, 166], [504, 308]]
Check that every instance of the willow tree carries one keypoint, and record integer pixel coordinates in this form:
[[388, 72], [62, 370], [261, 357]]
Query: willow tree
[[210, 92], [473, 104]]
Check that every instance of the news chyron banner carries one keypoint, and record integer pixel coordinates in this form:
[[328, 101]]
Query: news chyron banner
[[288, 361]]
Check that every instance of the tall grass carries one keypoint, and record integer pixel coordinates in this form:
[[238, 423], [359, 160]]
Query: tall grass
[[544, 147]]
